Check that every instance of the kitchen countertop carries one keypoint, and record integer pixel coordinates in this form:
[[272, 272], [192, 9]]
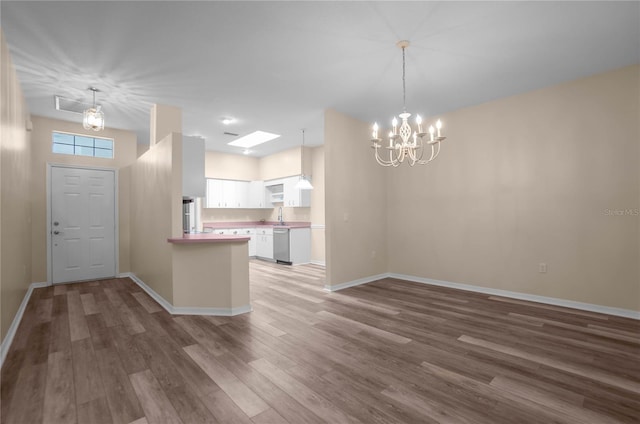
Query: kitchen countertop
[[207, 238], [256, 224]]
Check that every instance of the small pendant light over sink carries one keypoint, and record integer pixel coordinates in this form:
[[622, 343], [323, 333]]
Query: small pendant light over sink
[[304, 183]]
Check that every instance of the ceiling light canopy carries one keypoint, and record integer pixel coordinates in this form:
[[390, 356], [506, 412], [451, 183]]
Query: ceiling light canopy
[[404, 142], [253, 139], [93, 118]]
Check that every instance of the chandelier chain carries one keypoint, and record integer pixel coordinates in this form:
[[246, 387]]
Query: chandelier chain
[[404, 87]]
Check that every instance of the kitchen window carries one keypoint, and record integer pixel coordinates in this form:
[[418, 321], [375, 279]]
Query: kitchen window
[[82, 145]]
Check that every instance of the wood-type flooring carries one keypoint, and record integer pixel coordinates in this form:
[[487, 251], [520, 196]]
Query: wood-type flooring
[[385, 352]]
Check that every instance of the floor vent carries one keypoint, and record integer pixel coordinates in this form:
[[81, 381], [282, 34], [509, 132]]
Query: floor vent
[[68, 105]]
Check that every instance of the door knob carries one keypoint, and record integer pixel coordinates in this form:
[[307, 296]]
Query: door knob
[[56, 232]]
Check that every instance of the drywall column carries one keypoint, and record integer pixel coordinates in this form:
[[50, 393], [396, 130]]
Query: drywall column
[[164, 121], [356, 211]]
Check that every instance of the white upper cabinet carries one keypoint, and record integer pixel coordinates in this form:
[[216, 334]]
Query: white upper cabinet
[[215, 198], [258, 196], [240, 195], [227, 194], [294, 197], [193, 179]]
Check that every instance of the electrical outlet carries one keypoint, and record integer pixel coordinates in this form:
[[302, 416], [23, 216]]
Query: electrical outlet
[[346, 217], [542, 268], [373, 254]]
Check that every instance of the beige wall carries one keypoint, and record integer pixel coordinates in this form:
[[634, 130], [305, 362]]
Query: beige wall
[[15, 202], [355, 202], [156, 213], [125, 151], [281, 164], [231, 167], [524, 180]]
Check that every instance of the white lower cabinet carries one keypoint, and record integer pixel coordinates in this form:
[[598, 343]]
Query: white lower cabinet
[[264, 243], [300, 245], [248, 232]]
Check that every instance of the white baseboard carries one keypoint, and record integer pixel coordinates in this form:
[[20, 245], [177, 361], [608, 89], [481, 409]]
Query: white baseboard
[[354, 283], [181, 310], [626, 313], [319, 263], [11, 333]]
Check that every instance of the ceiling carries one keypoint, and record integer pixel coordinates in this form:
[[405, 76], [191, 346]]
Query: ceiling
[[275, 66]]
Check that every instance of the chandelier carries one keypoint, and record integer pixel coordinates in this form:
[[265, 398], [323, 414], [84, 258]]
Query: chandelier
[[405, 142], [93, 118]]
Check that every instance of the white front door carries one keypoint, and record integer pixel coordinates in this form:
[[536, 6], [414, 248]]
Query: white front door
[[83, 242]]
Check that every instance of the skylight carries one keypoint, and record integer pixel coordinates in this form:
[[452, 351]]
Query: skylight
[[253, 139]]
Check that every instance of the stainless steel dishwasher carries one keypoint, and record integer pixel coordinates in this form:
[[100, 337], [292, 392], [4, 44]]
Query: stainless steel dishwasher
[[281, 245]]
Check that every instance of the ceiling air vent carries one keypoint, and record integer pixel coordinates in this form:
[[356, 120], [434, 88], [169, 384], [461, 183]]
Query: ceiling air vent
[[68, 105], [230, 133]]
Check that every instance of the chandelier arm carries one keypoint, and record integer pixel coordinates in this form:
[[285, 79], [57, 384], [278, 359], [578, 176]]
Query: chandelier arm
[[437, 152], [380, 160], [421, 148]]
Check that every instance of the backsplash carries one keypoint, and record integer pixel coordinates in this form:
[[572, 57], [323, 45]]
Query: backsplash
[[237, 215]]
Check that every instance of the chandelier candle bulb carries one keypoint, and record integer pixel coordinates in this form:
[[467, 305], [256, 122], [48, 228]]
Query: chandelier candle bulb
[[375, 131], [394, 123], [431, 131], [419, 122], [439, 126]]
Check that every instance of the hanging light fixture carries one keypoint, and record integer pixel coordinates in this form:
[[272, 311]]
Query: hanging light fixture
[[304, 183], [404, 142], [93, 118]]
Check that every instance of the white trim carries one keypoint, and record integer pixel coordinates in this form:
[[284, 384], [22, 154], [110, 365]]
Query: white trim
[[116, 218], [627, 313], [318, 226], [608, 310], [161, 300], [319, 263], [11, 333], [354, 283], [181, 310], [227, 312]]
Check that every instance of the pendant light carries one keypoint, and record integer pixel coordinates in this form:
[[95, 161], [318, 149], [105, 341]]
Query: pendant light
[[93, 118], [304, 183]]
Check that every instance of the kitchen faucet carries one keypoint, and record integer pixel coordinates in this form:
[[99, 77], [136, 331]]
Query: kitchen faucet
[[280, 215]]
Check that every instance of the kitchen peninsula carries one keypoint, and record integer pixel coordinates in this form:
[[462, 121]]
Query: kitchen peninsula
[[211, 273]]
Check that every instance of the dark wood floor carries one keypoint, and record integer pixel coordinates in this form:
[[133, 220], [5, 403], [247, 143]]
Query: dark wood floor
[[385, 352]]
